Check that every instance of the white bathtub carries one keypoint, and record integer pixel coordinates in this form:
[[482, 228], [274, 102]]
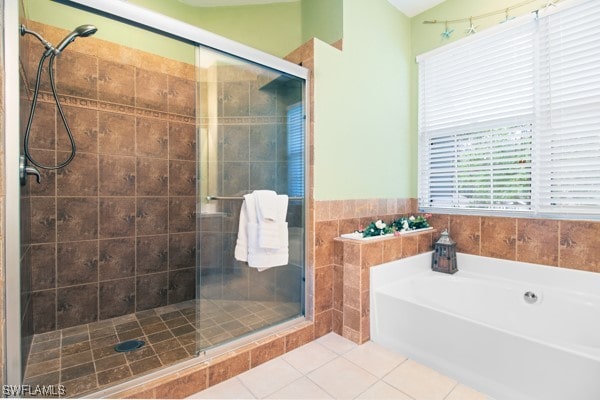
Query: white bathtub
[[476, 326]]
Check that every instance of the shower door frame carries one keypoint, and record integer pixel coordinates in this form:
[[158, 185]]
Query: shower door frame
[[12, 221], [118, 10]]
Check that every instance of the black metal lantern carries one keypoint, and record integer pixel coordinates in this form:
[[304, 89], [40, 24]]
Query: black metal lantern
[[444, 255]]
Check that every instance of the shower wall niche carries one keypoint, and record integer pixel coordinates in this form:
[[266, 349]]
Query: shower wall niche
[[115, 231]]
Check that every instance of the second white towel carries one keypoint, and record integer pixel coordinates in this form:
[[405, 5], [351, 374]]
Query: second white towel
[[271, 210]]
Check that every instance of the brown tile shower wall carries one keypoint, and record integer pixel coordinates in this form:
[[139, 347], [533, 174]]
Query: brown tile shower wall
[[558, 243], [252, 112], [114, 232]]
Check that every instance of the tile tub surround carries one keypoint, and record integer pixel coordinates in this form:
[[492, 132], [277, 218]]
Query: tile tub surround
[[351, 279], [336, 217], [558, 243]]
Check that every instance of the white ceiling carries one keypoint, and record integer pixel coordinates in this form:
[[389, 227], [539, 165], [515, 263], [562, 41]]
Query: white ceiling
[[218, 3], [414, 7], [408, 7]]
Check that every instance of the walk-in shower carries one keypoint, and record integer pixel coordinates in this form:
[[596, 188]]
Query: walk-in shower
[[126, 253]]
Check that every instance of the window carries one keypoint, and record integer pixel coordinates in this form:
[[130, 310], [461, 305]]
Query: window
[[509, 120], [295, 150]]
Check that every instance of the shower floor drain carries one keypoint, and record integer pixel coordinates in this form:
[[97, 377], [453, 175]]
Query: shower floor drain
[[129, 345]]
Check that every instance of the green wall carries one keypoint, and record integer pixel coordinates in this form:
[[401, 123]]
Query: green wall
[[274, 28], [65, 17], [362, 94], [322, 19]]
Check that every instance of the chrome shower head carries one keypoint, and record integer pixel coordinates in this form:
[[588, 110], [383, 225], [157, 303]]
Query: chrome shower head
[[83, 31]]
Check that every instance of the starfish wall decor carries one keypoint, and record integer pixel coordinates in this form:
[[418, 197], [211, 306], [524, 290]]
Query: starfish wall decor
[[472, 28]]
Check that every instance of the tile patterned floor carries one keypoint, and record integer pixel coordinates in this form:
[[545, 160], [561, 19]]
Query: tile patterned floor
[[83, 359], [335, 368]]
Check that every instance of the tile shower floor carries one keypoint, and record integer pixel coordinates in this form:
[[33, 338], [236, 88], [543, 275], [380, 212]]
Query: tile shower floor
[[333, 367], [83, 358]]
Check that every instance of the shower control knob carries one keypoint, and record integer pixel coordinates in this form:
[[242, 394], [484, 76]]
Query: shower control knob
[[29, 170], [25, 170]]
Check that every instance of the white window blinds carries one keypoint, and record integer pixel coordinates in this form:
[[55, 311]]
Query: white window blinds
[[295, 150], [569, 108], [509, 120]]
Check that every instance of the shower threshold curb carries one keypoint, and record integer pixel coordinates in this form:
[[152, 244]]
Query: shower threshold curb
[[203, 360]]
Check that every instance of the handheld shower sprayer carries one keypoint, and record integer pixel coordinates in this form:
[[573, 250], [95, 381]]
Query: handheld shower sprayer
[[51, 52], [83, 31]]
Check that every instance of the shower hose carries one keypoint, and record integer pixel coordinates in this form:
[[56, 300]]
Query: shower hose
[[60, 111]]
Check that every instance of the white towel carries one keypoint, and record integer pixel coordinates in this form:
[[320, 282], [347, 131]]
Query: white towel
[[266, 205], [262, 259], [271, 210], [273, 231], [247, 213]]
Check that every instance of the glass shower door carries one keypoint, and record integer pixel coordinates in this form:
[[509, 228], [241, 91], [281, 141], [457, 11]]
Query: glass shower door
[[251, 137]]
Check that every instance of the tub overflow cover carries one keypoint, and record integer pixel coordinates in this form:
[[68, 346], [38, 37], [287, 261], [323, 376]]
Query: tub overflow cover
[[530, 297]]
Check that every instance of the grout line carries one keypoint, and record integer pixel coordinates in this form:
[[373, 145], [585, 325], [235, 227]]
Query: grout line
[[451, 390], [242, 383], [558, 253]]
